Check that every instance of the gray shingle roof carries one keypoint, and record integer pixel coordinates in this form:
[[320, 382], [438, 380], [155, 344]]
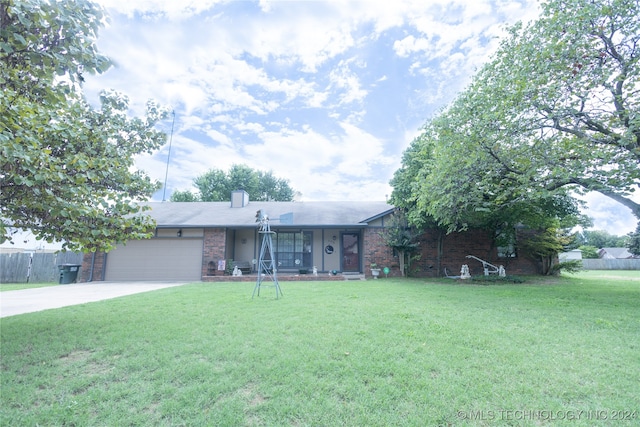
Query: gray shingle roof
[[308, 214], [615, 253]]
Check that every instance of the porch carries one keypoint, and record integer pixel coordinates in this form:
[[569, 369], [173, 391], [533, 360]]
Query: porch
[[287, 277]]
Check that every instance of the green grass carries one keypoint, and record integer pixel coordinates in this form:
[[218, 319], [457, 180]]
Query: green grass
[[19, 286], [633, 275], [384, 352]]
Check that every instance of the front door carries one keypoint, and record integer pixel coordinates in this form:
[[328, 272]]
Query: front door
[[350, 252]]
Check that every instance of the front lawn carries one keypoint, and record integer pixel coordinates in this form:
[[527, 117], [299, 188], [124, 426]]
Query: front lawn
[[559, 351]]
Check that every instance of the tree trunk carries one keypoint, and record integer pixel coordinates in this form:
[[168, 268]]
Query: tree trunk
[[440, 251]]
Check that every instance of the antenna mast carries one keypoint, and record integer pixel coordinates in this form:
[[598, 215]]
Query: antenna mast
[[166, 174]]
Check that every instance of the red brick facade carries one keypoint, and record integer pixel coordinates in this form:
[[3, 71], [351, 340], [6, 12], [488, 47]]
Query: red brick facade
[[215, 243], [439, 250], [93, 265]]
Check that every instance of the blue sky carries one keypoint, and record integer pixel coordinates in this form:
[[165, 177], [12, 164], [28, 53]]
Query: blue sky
[[327, 94]]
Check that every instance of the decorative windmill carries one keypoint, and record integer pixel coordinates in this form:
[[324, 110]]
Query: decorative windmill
[[266, 260]]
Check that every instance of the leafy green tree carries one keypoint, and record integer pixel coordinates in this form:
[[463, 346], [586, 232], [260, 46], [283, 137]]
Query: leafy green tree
[[272, 188], [213, 186], [184, 196], [403, 238], [545, 246], [555, 111], [589, 252], [65, 167], [603, 239], [566, 88], [434, 192], [217, 185], [562, 100], [417, 162]]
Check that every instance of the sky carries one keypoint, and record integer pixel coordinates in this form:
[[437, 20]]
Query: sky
[[326, 94]]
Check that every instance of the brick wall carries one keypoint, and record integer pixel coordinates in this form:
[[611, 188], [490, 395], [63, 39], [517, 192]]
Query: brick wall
[[375, 251], [439, 250], [214, 249], [96, 263]]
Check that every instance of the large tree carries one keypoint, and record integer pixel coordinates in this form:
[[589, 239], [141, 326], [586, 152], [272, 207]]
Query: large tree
[[216, 185], [556, 110], [66, 167], [441, 186], [430, 202], [563, 99]]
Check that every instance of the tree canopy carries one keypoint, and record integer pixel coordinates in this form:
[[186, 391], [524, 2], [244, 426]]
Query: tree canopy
[[66, 168], [402, 237], [601, 239], [216, 185], [555, 111]]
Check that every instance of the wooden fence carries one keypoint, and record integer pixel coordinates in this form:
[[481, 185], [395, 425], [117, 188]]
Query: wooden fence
[[34, 267], [611, 264]]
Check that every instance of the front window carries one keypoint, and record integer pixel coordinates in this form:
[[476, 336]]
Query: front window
[[293, 250]]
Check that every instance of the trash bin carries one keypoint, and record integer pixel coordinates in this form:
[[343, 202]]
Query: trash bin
[[68, 273]]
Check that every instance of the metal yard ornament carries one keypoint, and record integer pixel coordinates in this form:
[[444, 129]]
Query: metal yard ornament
[[266, 260]]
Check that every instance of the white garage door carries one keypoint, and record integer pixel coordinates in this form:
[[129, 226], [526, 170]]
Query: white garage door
[[156, 259]]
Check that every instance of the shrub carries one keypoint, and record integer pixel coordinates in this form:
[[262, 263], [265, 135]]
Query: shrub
[[571, 266]]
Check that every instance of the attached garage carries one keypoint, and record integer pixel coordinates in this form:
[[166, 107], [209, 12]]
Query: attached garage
[[163, 259]]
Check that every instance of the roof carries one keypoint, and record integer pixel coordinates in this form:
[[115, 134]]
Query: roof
[[615, 253], [307, 214]]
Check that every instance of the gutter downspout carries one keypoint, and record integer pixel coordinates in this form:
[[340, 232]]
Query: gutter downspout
[[104, 267], [93, 263]]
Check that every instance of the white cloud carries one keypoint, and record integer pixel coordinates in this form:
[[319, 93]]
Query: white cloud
[[189, 159], [409, 45], [308, 33], [610, 215], [348, 83], [325, 94], [466, 30], [265, 6], [164, 8]]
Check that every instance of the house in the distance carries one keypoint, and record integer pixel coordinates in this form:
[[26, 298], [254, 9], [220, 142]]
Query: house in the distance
[[196, 241], [615, 253]]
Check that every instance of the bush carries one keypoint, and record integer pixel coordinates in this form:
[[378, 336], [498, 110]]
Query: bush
[[571, 266]]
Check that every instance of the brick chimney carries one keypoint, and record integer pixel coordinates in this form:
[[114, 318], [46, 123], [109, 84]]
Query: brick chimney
[[239, 199]]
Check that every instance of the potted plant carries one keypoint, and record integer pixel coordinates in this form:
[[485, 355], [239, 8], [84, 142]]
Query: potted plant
[[375, 271]]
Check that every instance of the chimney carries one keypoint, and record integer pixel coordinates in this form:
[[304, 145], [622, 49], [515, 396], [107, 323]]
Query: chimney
[[239, 199]]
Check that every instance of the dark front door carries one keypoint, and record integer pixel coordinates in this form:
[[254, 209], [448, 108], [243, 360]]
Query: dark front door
[[351, 252]]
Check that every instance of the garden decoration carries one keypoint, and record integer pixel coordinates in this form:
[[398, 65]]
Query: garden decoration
[[266, 260], [489, 268], [464, 272]]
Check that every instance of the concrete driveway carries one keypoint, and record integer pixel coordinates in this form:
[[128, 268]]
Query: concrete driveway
[[38, 299]]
